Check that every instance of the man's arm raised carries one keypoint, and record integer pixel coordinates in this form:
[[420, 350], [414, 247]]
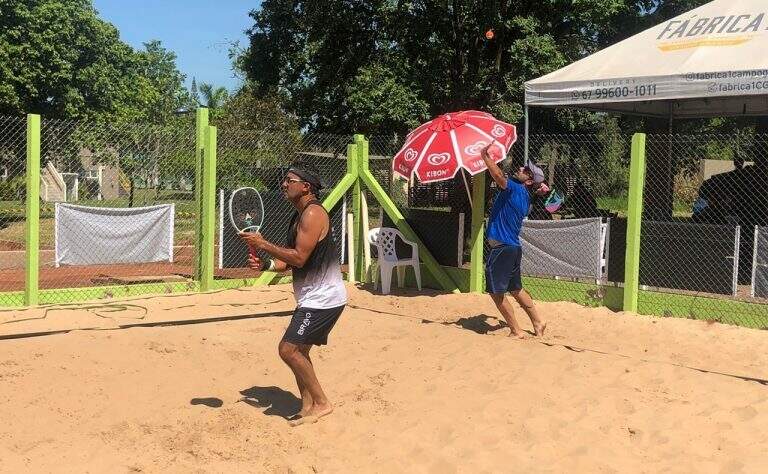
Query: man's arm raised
[[493, 169]]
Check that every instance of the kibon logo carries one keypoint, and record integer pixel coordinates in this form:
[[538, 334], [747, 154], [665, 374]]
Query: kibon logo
[[410, 154], [475, 148], [498, 131], [438, 159]]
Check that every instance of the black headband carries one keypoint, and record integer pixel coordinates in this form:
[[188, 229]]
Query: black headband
[[307, 176]]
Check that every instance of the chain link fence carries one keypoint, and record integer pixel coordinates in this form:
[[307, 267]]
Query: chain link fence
[[118, 209], [117, 205], [12, 204], [439, 213], [381, 149], [703, 206], [705, 201], [260, 159], [568, 233]]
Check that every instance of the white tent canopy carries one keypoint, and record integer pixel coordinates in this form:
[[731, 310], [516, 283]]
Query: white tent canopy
[[711, 61]]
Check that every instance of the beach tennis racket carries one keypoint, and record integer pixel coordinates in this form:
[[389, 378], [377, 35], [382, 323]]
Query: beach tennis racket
[[554, 201], [246, 210]]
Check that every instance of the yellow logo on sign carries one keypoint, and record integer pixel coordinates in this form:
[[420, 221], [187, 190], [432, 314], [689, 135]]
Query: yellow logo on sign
[[697, 43]]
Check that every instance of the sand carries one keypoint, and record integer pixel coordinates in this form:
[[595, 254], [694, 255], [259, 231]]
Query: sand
[[421, 383]]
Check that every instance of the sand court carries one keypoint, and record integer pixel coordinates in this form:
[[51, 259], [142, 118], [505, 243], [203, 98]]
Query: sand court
[[421, 382]]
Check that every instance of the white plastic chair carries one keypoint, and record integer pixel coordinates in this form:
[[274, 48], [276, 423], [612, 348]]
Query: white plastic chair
[[384, 238]]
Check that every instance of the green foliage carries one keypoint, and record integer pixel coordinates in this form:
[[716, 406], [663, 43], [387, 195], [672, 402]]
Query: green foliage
[[59, 59], [255, 134], [166, 93], [249, 111], [213, 97], [378, 99], [381, 65], [13, 189]]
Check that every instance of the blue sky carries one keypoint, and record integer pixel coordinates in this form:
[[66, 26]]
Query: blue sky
[[198, 31]]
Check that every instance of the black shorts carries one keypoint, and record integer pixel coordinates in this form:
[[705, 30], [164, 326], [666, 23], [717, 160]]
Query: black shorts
[[502, 269], [311, 326]]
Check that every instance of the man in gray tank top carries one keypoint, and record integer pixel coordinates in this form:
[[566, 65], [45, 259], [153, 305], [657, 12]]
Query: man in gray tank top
[[311, 255]]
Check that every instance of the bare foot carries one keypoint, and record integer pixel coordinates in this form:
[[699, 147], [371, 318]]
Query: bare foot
[[516, 335], [313, 416], [306, 408], [301, 413], [539, 329], [321, 410], [302, 420]]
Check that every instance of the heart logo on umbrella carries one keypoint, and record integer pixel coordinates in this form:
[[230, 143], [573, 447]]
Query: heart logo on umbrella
[[498, 131], [475, 148], [438, 159], [410, 154]]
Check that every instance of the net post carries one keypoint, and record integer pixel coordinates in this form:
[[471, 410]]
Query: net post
[[201, 124], [477, 233], [208, 209], [357, 206], [634, 223], [32, 226]]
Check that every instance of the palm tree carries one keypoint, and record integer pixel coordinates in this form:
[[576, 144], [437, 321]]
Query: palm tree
[[213, 97]]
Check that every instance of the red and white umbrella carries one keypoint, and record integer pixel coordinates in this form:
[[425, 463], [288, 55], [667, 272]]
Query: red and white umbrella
[[438, 149]]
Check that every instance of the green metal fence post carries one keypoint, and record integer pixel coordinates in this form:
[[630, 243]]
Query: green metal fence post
[[477, 235], [634, 223], [32, 227], [208, 214], [201, 124], [357, 207]]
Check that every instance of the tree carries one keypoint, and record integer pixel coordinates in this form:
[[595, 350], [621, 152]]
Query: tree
[[332, 61], [378, 100], [166, 93], [213, 97], [194, 94], [255, 133], [245, 110], [59, 59]]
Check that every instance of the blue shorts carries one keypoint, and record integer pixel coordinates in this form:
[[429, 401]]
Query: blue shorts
[[502, 269]]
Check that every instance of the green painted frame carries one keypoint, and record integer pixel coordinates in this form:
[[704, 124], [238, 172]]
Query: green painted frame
[[208, 207], [477, 268], [634, 222], [32, 220], [442, 277], [201, 125]]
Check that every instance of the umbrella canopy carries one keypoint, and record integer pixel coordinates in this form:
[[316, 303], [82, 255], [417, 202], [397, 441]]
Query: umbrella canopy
[[438, 149]]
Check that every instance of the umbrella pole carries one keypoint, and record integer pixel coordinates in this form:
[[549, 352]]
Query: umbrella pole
[[466, 186]]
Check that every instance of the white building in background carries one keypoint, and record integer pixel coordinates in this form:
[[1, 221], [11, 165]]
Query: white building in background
[[61, 186]]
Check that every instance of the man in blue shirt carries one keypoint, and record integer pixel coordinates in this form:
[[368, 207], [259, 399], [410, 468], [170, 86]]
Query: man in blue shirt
[[502, 267]]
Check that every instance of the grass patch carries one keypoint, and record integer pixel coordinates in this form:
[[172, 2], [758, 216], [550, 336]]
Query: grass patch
[[619, 205]]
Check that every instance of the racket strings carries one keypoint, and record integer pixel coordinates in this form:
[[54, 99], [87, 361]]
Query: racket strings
[[246, 209]]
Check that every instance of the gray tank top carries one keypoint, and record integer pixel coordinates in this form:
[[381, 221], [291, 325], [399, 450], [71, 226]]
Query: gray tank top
[[318, 284]]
